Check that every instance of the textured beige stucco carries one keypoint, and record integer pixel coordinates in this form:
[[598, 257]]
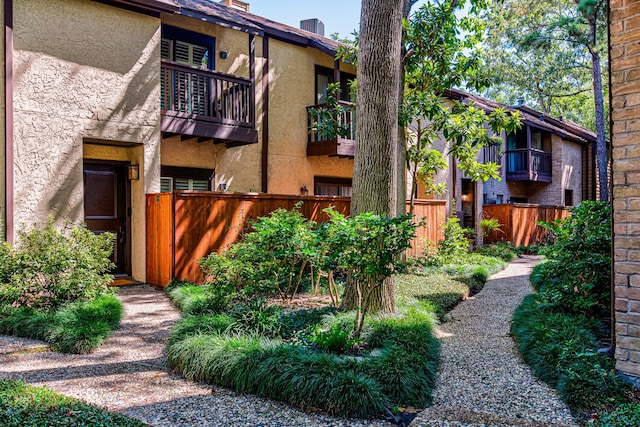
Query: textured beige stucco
[[83, 70], [291, 90]]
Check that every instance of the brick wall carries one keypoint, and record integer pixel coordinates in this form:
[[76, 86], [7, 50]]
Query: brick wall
[[625, 81]]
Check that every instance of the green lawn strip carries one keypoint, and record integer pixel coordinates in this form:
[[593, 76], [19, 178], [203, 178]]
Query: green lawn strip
[[24, 405], [77, 328]]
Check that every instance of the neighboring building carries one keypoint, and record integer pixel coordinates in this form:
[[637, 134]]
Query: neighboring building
[[624, 56], [110, 100], [549, 161]]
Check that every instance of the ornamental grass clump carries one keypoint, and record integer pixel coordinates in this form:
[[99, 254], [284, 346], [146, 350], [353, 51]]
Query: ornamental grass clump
[[53, 287]]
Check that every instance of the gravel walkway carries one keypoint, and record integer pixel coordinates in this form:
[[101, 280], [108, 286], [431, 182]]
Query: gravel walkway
[[482, 379], [127, 374]]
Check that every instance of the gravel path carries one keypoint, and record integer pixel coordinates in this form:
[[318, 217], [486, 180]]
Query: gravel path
[[127, 374], [482, 380]]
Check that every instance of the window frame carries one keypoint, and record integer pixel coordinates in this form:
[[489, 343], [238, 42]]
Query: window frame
[[177, 172], [331, 181], [179, 34], [344, 82]]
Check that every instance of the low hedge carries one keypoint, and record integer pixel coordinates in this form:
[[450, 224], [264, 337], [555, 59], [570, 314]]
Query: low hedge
[[397, 369], [77, 328], [23, 405], [561, 349]]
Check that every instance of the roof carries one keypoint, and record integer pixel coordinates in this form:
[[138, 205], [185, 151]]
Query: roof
[[219, 14], [566, 129]]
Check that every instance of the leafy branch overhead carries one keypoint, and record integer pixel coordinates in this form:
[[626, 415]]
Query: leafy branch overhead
[[442, 53]]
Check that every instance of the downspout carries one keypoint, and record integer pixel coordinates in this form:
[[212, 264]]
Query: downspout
[[265, 113], [8, 102]]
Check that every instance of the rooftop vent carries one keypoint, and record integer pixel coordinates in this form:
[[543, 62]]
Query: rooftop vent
[[313, 26], [519, 102], [236, 4]]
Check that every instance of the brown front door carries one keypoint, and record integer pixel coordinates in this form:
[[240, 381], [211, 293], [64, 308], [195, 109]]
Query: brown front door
[[105, 207]]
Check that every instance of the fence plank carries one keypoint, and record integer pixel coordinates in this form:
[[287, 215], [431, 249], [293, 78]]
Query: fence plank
[[205, 222], [519, 222], [159, 238]]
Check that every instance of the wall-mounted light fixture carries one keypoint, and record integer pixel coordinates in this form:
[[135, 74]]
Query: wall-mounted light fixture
[[133, 172], [304, 190], [223, 186], [465, 197], [224, 54]]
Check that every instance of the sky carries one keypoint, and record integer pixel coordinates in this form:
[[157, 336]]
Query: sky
[[338, 16]]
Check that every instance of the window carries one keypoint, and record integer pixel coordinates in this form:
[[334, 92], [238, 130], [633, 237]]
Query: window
[[187, 47], [519, 200], [189, 92], [324, 76], [492, 154], [325, 186], [568, 197], [178, 178]]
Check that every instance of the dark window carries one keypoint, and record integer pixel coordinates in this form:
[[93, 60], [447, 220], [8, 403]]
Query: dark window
[[179, 178], [568, 197], [493, 154], [326, 186], [519, 200], [324, 76], [517, 140], [187, 47]]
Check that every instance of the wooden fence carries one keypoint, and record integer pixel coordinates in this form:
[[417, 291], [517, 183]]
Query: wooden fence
[[184, 226], [519, 222]]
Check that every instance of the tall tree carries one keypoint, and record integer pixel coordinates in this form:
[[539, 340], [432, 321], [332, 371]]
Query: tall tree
[[551, 51], [443, 47], [375, 174]]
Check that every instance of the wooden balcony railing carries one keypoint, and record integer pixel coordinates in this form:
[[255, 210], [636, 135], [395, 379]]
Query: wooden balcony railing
[[209, 97], [528, 165], [331, 133]]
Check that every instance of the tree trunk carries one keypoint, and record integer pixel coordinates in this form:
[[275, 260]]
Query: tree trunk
[[601, 141], [375, 170]]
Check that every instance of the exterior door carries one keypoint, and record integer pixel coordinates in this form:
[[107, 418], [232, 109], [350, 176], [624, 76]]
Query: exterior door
[[105, 207]]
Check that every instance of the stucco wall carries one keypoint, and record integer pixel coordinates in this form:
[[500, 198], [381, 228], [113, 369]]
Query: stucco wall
[[291, 89], [82, 70]]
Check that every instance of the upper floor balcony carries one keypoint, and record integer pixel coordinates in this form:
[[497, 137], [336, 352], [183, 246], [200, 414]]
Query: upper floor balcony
[[207, 104], [528, 165], [332, 131]]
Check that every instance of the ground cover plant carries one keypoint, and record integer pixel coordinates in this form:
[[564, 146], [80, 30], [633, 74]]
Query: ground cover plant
[[24, 405], [53, 287], [239, 330], [560, 329], [235, 333]]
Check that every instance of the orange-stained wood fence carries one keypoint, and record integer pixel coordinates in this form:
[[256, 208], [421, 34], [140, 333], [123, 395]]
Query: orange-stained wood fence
[[520, 222], [184, 226]]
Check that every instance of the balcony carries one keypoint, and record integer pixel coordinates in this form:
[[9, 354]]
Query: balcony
[[332, 131], [528, 165], [206, 104]]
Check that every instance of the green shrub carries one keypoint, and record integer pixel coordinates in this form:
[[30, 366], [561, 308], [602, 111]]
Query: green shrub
[[256, 316], [23, 405], [503, 250], [334, 339], [490, 226], [562, 348], [627, 415], [47, 270], [455, 244], [76, 328], [577, 276]]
